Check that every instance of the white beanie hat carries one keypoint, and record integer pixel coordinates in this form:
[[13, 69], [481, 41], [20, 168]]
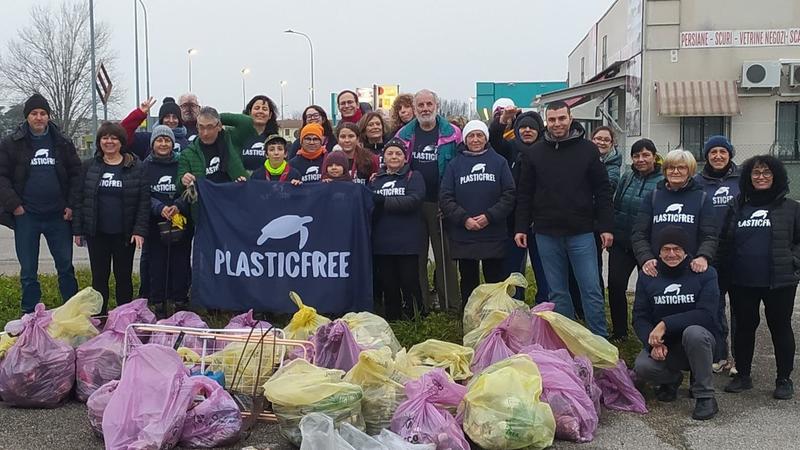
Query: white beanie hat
[[503, 102], [474, 125]]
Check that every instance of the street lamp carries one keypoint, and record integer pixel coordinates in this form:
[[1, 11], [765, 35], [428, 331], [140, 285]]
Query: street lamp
[[190, 52], [244, 71], [146, 48], [94, 66], [283, 84], [311, 47]]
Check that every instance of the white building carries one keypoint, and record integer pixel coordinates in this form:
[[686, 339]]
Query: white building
[[679, 71]]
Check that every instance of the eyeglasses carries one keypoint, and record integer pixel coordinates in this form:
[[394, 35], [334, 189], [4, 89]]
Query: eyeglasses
[[314, 116], [600, 139], [679, 169], [766, 174], [312, 139], [207, 127], [673, 250], [187, 106]]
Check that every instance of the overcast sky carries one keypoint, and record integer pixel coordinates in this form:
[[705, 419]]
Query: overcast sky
[[443, 45]]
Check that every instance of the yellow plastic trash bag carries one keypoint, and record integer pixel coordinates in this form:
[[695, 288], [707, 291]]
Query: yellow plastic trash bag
[[502, 409], [383, 384], [582, 342], [404, 364], [6, 342], [244, 365], [371, 331], [305, 321], [178, 221], [299, 388], [72, 321], [493, 297], [189, 356], [454, 358], [488, 324]]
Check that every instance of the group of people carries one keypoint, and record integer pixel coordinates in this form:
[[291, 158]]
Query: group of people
[[477, 195]]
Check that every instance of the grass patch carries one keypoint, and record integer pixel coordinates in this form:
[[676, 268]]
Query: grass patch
[[443, 325]]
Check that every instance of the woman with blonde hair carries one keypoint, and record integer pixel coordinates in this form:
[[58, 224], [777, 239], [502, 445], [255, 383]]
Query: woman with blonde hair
[[402, 111], [678, 201]]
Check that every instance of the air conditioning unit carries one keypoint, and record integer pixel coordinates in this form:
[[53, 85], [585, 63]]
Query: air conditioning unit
[[794, 75], [761, 74]]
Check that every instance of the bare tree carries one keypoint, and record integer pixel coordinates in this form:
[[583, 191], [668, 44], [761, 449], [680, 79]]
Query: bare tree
[[453, 108], [52, 56]]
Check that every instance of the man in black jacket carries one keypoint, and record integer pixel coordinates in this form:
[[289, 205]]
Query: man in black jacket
[[38, 168], [674, 315], [562, 193]]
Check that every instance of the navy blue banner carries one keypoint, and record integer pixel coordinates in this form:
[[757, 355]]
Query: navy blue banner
[[256, 241]]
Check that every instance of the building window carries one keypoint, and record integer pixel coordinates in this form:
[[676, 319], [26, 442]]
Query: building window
[[583, 78], [787, 131], [605, 52], [695, 131]]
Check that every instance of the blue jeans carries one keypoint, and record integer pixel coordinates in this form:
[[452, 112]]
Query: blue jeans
[[516, 262], [579, 251], [28, 230]]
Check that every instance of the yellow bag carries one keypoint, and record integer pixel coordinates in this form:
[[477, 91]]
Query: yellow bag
[[404, 364], [299, 388], [489, 323], [371, 331], [582, 342], [244, 365], [6, 342], [304, 322], [188, 356], [493, 297], [502, 408], [383, 384], [452, 357], [72, 321]]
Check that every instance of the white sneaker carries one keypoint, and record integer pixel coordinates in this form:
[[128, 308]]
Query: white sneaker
[[719, 366], [733, 371]]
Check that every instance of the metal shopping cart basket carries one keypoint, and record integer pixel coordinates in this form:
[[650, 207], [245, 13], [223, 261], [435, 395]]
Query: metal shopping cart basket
[[247, 357]]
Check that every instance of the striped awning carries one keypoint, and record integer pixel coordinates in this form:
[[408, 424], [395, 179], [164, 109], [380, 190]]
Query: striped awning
[[697, 98]]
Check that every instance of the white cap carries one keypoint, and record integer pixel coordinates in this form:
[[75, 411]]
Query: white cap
[[504, 102], [474, 125]]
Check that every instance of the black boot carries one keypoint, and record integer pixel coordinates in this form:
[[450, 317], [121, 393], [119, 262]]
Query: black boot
[[668, 392], [705, 408], [784, 389], [740, 383]]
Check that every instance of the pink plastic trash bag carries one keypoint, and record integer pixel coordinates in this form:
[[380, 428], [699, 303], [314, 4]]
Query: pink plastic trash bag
[[335, 346], [422, 418], [148, 409], [96, 406], [543, 333], [99, 360], [585, 371], [247, 321], [134, 312], [182, 319], [575, 414], [213, 422], [506, 340], [619, 393], [38, 371]]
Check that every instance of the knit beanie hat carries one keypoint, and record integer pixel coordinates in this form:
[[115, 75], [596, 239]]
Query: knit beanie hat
[[170, 108], [338, 158], [474, 125], [673, 235], [161, 130], [502, 103], [313, 129], [395, 142], [36, 101], [718, 141], [530, 122]]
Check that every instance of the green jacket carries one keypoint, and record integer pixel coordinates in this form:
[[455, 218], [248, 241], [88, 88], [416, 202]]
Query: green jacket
[[192, 160], [240, 127]]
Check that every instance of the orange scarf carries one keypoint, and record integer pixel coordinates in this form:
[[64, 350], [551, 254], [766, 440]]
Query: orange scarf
[[311, 156]]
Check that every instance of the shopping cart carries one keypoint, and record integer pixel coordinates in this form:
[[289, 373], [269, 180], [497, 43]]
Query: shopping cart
[[247, 357]]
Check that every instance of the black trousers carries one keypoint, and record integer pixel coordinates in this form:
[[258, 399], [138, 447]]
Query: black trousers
[[574, 292], [493, 272], [621, 263], [105, 249], [399, 283], [169, 269], [778, 307]]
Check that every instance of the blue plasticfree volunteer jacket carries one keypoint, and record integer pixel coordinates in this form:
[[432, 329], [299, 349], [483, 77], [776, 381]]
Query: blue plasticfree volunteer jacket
[[720, 190], [678, 297], [474, 185], [310, 169], [397, 226], [688, 208]]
